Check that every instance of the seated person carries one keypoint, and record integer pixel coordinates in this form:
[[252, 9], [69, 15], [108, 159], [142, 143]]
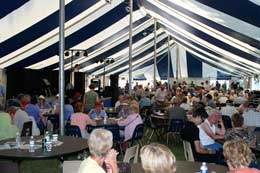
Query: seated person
[[42, 103], [238, 132], [144, 101], [7, 129], [157, 158], [190, 133], [123, 112], [176, 112], [238, 156], [118, 103], [100, 143], [185, 105], [131, 121], [97, 112], [33, 110], [229, 109], [81, 119], [161, 97], [211, 130]]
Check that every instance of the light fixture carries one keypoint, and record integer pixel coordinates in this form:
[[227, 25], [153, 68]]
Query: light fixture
[[77, 53], [67, 53], [85, 53]]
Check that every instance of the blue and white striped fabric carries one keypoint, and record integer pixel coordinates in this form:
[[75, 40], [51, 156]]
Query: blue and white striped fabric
[[222, 37]]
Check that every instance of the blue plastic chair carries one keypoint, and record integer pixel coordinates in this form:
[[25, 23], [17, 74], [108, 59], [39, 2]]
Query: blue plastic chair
[[73, 131]]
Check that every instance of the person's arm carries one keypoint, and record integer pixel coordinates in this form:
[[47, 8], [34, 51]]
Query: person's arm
[[124, 122], [221, 131], [209, 132], [201, 150], [90, 121], [111, 160]]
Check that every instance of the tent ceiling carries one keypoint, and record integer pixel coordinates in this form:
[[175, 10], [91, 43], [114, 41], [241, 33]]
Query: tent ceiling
[[223, 34]]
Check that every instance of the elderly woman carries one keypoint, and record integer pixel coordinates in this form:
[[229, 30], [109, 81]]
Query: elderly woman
[[238, 132], [238, 156], [157, 158], [100, 143], [81, 120], [131, 121]]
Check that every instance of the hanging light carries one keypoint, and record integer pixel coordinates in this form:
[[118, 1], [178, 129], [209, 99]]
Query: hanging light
[[85, 53], [77, 53], [67, 53]]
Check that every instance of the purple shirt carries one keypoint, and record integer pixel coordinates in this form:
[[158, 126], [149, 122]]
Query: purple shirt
[[130, 123]]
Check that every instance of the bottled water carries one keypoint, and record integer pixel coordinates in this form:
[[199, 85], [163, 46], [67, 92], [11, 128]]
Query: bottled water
[[18, 140], [47, 136], [31, 145], [105, 120], [203, 168]]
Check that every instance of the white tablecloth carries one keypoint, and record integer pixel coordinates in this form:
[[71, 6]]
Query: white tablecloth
[[252, 118]]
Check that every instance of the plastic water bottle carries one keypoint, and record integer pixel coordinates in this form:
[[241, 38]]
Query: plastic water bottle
[[47, 136], [31, 145], [18, 140], [105, 120], [203, 168]]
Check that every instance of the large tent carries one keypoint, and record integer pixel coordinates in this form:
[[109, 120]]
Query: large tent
[[212, 38]]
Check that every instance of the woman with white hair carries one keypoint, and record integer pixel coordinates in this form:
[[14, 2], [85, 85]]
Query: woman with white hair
[[100, 143], [157, 158]]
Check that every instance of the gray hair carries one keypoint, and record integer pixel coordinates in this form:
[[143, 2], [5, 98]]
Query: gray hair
[[100, 142]]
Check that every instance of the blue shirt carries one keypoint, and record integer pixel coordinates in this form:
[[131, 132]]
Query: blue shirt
[[120, 113], [93, 114], [2, 90], [144, 102], [68, 111], [33, 111]]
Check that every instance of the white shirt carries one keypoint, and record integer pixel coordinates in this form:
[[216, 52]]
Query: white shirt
[[185, 106], [160, 95], [228, 110], [222, 99], [205, 139], [91, 166]]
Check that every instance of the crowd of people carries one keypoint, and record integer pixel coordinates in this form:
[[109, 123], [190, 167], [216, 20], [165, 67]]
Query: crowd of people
[[199, 106]]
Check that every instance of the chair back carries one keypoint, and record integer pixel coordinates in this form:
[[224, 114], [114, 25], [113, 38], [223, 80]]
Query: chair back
[[188, 151], [71, 166], [257, 129], [114, 129], [72, 130], [54, 119], [9, 167], [131, 153], [27, 129], [138, 133], [176, 125], [146, 110], [227, 121]]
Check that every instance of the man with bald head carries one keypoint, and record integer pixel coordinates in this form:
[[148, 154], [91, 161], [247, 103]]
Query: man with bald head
[[211, 130]]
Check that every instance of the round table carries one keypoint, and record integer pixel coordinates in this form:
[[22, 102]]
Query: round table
[[185, 166], [70, 145]]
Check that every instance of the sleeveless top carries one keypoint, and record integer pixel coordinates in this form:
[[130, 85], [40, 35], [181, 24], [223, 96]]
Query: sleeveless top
[[205, 139]]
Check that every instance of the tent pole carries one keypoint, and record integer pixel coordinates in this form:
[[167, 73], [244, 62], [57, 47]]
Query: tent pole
[[169, 62], [177, 63], [130, 44], [155, 55], [61, 65]]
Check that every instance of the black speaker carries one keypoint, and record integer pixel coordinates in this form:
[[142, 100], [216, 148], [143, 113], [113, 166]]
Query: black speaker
[[114, 87], [79, 82]]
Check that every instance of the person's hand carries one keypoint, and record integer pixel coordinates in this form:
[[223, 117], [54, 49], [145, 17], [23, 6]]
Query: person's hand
[[212, 151], [110, 158]]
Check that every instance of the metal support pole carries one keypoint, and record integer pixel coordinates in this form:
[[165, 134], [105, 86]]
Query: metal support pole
[[169, 62], [61, 65], [104, 76], [130, 44], [155, 54], [177, 63]]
